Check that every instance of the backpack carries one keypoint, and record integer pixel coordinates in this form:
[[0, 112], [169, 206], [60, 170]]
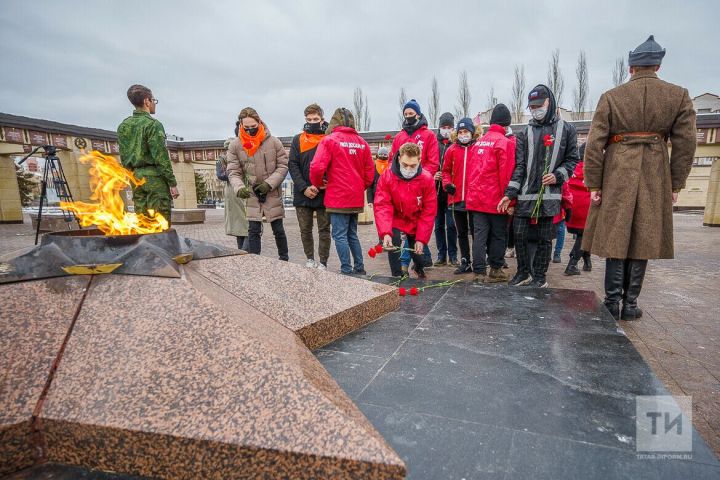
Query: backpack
[[221, 169]]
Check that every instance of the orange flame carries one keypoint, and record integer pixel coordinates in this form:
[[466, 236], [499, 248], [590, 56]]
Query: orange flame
[[107, 179]]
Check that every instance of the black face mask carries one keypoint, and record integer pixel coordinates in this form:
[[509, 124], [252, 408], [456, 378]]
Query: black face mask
[[315, 128], [410, 121], [251, 131]]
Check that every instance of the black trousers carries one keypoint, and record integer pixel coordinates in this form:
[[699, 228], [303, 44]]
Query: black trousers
[[394, 257], [510, 234], [464, 225], [544, 232], [489, 240], [255, 230], [577, 252]]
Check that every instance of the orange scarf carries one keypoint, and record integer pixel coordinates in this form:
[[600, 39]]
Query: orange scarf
[[251, 143], [381, 165], [308, 141]]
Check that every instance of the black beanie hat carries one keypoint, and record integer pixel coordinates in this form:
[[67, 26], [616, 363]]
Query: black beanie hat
[[501, 116], [447, 120]]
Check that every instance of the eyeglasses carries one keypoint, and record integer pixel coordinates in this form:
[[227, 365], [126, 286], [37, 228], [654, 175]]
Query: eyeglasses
[[154, 100]]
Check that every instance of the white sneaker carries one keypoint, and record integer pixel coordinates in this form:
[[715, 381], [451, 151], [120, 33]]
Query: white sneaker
[[311, 263], [320, 266]]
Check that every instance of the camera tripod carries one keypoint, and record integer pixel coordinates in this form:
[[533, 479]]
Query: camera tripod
[[52, 172]]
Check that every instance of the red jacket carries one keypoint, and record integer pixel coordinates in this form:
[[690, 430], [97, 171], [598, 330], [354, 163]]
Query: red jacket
[[494, 159], [566, 203], [426, 140], [581, 199], [408, 205], [457, 166], [346, 160]]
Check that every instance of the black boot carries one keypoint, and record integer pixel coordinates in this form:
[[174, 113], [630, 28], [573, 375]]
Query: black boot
[[587, 263], [572, 268], [614, 275], [635, 274]]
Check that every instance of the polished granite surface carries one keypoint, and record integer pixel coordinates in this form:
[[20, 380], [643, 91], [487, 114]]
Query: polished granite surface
[[474, 382]]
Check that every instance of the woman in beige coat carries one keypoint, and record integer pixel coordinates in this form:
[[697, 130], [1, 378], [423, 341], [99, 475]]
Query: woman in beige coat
[[257, 166]]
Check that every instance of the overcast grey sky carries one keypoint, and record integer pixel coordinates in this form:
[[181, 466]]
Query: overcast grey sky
[[72, 61]]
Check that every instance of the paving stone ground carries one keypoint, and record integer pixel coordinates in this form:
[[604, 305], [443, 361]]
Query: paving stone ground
[[678, 336]]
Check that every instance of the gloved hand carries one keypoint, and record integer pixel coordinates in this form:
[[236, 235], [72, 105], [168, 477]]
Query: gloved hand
[[244, 193], [568, 213], [263, 189], [450, 188]]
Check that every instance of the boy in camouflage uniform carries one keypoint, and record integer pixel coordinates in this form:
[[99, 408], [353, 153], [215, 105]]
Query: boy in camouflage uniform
[[142, 150]]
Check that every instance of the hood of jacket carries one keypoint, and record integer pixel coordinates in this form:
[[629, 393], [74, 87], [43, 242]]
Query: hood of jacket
[[395, 168], [551, 115]]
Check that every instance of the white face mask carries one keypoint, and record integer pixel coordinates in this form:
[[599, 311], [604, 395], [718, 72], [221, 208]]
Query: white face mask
[[408, 173], [465, 138], [445, 132], [539, 113]]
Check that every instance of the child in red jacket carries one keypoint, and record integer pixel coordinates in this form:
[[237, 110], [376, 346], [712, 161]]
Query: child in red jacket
[[405, 202], [458, 168], [576, 223]]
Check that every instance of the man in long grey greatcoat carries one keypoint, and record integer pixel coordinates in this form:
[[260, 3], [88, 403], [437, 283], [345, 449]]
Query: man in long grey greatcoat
[[633, 180]]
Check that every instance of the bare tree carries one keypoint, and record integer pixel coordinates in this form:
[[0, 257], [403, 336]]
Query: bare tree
[[555, 79], [366, 117], [434, 104], [620, 72], [358, 107], [462, 109], [491, 99], [402, 100], [580, 94], [518, 93]]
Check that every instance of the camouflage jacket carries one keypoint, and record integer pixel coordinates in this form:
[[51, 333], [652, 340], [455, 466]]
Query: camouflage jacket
[[142, 144]]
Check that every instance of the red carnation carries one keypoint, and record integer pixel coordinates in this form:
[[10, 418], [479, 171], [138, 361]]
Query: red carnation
[[372, 253], [247, 145], [548, 140], [378, 248], [402, 291], [388, 136], [414, 291]]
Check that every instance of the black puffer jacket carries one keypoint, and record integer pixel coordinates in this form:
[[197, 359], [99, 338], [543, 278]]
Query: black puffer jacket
[[530, 163], [299, 166]]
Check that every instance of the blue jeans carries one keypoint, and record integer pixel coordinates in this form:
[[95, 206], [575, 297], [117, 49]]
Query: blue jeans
[[405, 255], [560, 240], [344, 233], [446, 234]]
